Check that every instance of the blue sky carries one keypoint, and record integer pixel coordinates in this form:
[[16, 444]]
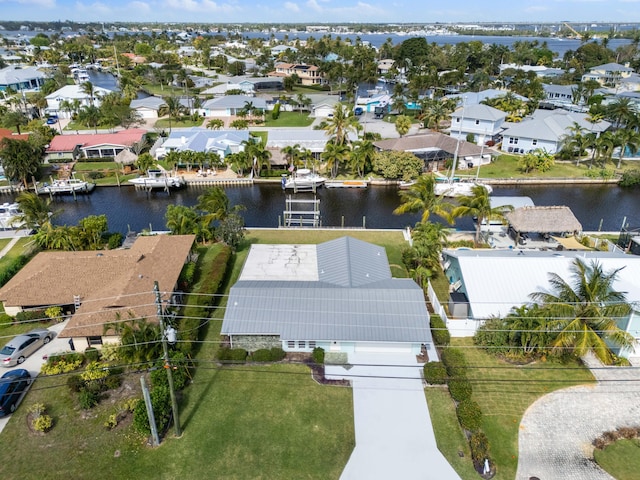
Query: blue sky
[[323, 11]]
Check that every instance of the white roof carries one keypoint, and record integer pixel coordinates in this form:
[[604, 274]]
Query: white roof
[[281, 262], [13, 74], [499, 280], [75, 91]]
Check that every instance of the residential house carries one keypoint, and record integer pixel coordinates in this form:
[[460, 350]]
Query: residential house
[[608, 74], [539, 70], [230, 105], [148, 107], [73, 94], [559, 94], [222, 142], [312, 140], [436, 148], [489, 283], [546, 129], [385, 65], [338, 295], [100, 287], [66, 148], [481, 121], [472, 98], [280, 49], [21, 79], [249, 85], [307, 74]]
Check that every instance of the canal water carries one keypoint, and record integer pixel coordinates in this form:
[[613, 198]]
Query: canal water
[[596, 206]]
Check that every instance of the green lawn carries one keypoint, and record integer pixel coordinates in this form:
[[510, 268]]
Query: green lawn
[[162, 90], [289, 119], [506, 166], [173, 123], [91, 166], [620, 459], [504, 391], [22, 246]]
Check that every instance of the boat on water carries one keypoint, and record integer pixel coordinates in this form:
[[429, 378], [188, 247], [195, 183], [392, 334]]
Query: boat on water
[[80, 75], [8, 216], [158, 179], [459, 189], [347, 184], [302, 179], [406, 185], [71, 186]]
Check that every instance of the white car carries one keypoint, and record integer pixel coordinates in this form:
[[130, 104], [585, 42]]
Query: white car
[[18, 349]]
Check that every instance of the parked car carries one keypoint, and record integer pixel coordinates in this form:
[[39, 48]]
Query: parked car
[[13, 386], [18, 349], [358, 111], [52, 120]]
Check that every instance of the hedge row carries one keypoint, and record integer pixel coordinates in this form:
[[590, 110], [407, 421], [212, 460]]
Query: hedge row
[[210, 283], [454, 362], [435, 373], [439, 331], [274, 354], [12, 268], [232, 355]]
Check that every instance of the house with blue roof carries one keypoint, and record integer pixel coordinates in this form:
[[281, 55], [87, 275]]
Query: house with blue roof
[[222, 142], [338, 295]]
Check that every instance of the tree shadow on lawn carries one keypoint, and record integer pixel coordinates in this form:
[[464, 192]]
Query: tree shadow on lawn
[[196, 402]]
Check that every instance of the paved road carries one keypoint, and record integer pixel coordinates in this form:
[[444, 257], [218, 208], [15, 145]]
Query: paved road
[[394, 435], [556, 431], [35, 361]]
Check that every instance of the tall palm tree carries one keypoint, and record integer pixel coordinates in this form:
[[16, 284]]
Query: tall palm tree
[[214, 204], [362, 155], [585, 312], [334, 155], [291, 153], [89, 89], [421, 197], [478, 206], [341, 124], [627, 140], [621, 110], [35, 210]]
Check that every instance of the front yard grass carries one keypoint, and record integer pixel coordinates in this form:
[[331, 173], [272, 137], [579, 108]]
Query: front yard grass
[[621, 459], [289, 119], [506, 166], [184, 122], [504, 391]]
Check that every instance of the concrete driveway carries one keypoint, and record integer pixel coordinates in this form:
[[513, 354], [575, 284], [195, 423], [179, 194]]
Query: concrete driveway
[[557, 430], [394, 435], [35, 361]]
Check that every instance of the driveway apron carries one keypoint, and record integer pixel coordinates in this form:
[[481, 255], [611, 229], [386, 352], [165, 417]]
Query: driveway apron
[[394, 435], [557, 431]]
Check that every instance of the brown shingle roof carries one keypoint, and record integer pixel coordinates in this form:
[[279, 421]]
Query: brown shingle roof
[[431, 140], [107, 281], [543, 220]]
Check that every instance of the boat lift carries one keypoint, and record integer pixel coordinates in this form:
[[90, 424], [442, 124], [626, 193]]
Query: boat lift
[[298, 214]]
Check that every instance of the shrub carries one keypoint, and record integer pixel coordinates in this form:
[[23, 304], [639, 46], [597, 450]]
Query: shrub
[[441, 336], [275, 113], [75, 383], [187, 275], [460, 389], [110, 352], [94, 371], [469, 415], [318, 355], [630, 178], [455, 362], [277, 354], [435, 373], [130, 404], [65, 363], [112, 382], [140, 418], [227, 354], [112, 422], [92, 354], [179, 372], [43, 423], [88, 399], [29, 315], [261, 355], [479, 444], [54, 313], [5, 320], [114, 241], [12, 268]]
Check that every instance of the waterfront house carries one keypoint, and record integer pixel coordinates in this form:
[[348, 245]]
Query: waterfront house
[[307, 74], [70, 94], [100, 287], [222, 142], [436, 148], [338, 295], [147, 107], [559, 94], [472, 98], [489, 283], [66, 148], [546, 130], [609, 74], [21, 79], [483, 122], [540, 70]]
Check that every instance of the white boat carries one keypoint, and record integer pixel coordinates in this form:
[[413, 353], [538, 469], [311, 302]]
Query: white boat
[[8, 214], [303, 179], [459, 189], [80, 75], [406, 185], [158, 179], [65, 187]]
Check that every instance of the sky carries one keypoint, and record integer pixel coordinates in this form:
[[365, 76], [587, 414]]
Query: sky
[[322, 11]]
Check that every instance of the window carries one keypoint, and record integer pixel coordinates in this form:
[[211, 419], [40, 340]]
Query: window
[[458, 120], [477, 122], [291, 344], [312, 344], [94, 340], [534, 142], [513, 140], [302, 344]]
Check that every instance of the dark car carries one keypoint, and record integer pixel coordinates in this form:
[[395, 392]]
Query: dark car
[[13, 386], [358, 111]]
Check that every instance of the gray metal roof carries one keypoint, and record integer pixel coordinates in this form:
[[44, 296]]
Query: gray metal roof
[[392, 310], [354, 299]]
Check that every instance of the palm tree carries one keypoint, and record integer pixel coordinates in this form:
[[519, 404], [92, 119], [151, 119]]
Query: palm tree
[[89, 116], [586, 311], [215, 124], [603, 148], [35, 210], [421, 197], [291, 153], [214, 204], [621, 110], [626, 139], [341, 124], [88, 89], [577, 141], [334, 154], [478, 206]]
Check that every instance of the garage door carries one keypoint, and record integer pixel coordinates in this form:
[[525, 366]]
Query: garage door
[[372, 347]]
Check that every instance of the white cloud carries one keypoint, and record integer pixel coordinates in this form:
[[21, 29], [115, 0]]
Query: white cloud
[[200, 6], [95, 8], [292, 7], [140, 7]]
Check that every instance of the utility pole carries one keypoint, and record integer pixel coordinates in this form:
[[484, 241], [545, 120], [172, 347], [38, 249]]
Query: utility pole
[[167, 365]]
